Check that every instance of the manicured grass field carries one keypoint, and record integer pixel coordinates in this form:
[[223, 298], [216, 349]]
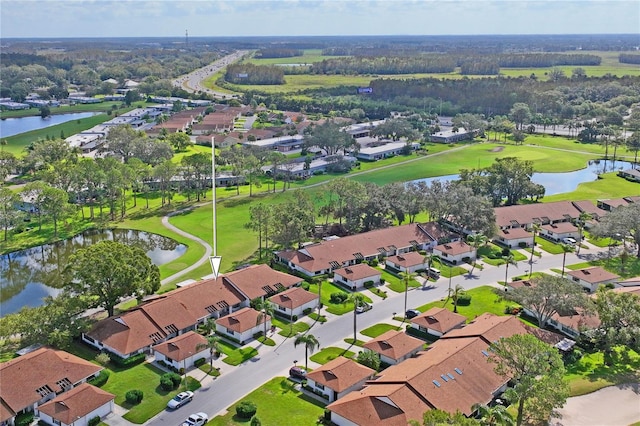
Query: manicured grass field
[[609, 185], [276, 401], [235, 355], [483, 299], [287, 330], [549, 246], [327, 354], [590, 374], [378, 329]]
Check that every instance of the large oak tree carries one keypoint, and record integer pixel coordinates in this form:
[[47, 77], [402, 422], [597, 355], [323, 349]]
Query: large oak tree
[[110, 271]]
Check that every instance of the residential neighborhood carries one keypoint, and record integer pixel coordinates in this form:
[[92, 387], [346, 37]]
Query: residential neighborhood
[[322, 229]]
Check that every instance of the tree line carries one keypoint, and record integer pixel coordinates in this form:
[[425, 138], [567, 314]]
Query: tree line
[[278, 53], [254, 74], [629, 58]]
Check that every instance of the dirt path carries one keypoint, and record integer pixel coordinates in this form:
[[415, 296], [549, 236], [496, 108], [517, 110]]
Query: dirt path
[[611, 406]]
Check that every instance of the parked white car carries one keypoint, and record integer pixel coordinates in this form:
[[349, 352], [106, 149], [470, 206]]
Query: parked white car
[[198, 419], [569, 240], [179, 400]]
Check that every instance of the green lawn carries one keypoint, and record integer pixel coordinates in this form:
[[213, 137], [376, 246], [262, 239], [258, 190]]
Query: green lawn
[[548, 246], [631, 267], [327, 354], [483, 299], [276, 401], [446, 270], [287, 330], [590, 374], [333, 308], [395, 283], [378, 329], [235, 355], [492, 254]]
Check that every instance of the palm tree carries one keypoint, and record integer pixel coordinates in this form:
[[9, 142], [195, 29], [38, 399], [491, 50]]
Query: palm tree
[[358, 300], [406, 277], [508, 260], [455, 293], [476, 241], [566, 248], [213, 344], [582, 220], [266, 309], [494, 416], [536, 229], [310, 344], [428, 258]]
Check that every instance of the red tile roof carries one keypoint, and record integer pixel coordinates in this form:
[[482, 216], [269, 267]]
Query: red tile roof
[[208, 296], [358, 272], [316, 257], [127, 333], [524, 214], [340, 374], [296, 296], [28, 378], [455, 249], [407, 260], [76, 403], [260, 280], [181, 347], [381, 405], [243, 320], [514, 233], [560, 227], [490, 327], [439, 319], [394, 344]]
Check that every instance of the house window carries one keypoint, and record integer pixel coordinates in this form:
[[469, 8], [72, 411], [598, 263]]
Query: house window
[[230, 332], [576, 279], [282, 308], [319, 386]]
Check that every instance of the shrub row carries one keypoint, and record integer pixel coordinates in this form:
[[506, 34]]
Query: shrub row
[[127, 362], [100, 379], [134, 396], [170, 381]]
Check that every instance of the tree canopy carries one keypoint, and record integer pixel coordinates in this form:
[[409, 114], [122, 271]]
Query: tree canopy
[[538, 372], [110, 271]]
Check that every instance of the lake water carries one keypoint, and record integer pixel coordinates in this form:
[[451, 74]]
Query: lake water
[[28, 276], [558, 183], [15, 126]]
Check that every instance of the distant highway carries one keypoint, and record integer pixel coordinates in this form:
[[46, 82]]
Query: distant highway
[[192, 82]]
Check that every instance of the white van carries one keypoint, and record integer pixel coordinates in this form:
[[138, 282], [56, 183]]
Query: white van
[[433, 273]]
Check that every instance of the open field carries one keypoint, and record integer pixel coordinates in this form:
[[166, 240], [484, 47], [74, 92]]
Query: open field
[[295, 83], [483, 299]]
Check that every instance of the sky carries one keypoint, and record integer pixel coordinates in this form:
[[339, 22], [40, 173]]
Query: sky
[[211, 18]]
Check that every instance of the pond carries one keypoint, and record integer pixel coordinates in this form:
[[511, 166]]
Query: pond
[[28, 276], [559, 183], [15, 126]]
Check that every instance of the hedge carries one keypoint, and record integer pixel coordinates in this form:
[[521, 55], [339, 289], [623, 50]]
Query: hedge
[[200, 361], [134, 396], [127, 362], [246, 409], [100, 379]]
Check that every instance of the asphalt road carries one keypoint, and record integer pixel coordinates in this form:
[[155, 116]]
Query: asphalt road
[[192, 82], [217, 395]]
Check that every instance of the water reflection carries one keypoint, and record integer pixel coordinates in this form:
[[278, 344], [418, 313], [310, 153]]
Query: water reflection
[[27, 276], [559, 183], [15, 126]]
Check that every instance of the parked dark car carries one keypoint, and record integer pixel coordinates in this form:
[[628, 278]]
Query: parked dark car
[[411, 313], [297, 373]]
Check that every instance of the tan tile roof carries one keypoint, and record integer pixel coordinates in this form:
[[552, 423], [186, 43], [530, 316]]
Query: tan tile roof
[[367, 244], [44, 369], [208, 296], [614, 202], [593, 275], [454, 249], [181, 347], [560, 227], [407, 260], [589, 207], [514, 233], [631, 290], [394, 344], [525, 214], [439, 319], [127, 333], [76, 403], [169, 314], [5, 412], [490, 327], [381, 405], [358, 272], [296, 295], [340, 373], [242, 320], [577, 319], [260, 280]]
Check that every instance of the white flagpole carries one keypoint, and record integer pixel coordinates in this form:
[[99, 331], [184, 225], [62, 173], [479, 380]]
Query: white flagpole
[[215, 259]]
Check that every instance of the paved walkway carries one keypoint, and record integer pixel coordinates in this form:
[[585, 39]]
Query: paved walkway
[[611, 406]]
